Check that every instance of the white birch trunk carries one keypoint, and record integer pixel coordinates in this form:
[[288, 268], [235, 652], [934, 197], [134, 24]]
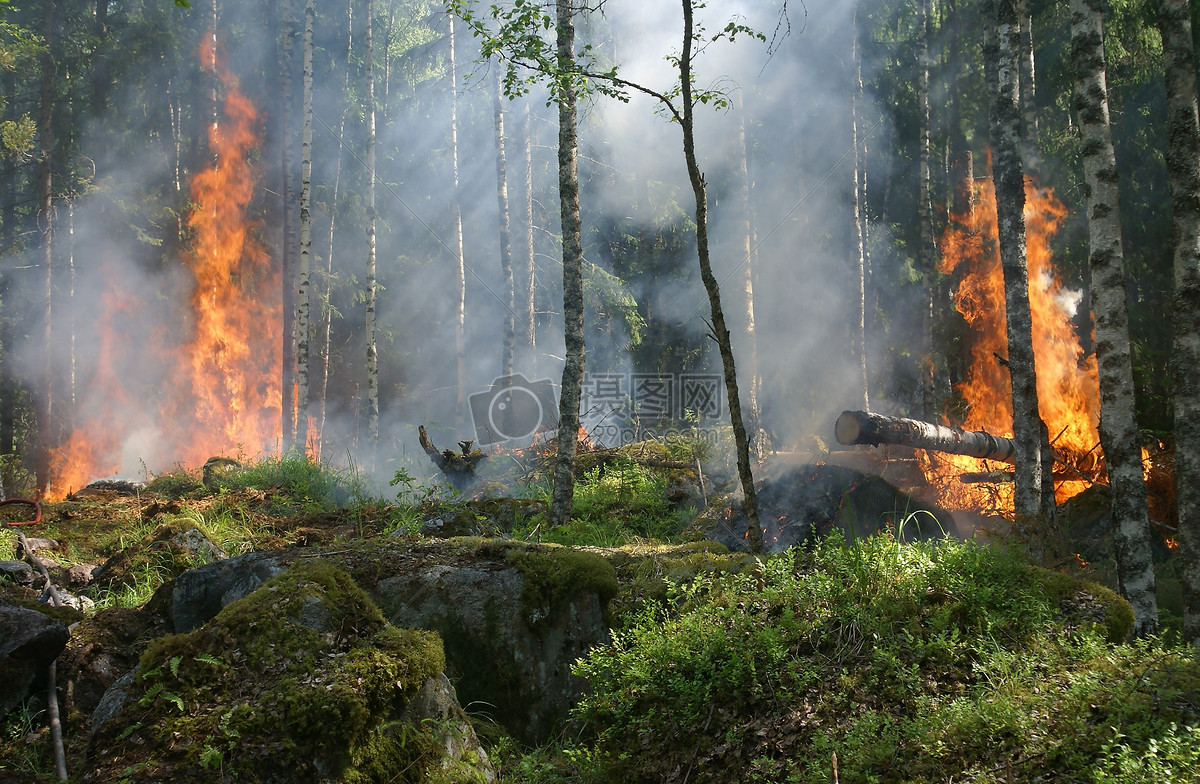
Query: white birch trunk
[[305, 272], [1118, 420], [372, 346]]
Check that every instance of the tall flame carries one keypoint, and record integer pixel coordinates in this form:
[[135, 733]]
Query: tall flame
[[1068, 392], [228, 395], [224, 392]]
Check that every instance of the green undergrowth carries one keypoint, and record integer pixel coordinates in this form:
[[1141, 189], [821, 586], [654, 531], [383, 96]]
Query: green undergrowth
[[296, 482], [911, 662], [613, 505]]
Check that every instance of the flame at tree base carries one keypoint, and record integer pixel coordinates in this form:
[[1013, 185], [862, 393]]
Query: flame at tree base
[[1068, 390], [222, 395]]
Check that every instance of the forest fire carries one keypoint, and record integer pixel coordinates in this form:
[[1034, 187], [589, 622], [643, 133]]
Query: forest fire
[[1068, 391], [222, 393]]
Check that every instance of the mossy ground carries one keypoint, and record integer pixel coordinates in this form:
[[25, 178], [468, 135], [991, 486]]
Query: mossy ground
[[982, 673]]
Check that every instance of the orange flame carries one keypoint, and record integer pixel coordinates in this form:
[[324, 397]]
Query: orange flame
[[225, 394], [228, 397], [1068, 392]]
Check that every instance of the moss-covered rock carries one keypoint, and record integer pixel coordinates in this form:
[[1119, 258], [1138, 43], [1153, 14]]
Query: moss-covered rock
[[301, 681], [1084, 601], [513, 617]]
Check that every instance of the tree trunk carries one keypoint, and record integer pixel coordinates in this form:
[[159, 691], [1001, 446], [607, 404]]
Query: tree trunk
[[1118, 418], [528, 316], [291, 240], [456, 243], [508, 338], [372, 347], [759, 442], [927, 261], [859, 261], [1031, 510], [45, 223], [863, 427], [1029, 135], [302, 279], [327, 288], [720, 332], [572, 254], [1183, 167]]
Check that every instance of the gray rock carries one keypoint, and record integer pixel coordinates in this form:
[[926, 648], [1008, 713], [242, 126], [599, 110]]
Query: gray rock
[[297, 678], [37, 544], [17, 572], [509, 660], [198, 595], [80, 575], [111, 703], [198, 545], [29, 642]]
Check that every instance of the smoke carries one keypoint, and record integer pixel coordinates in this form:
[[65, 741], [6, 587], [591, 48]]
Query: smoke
[[131, 305]]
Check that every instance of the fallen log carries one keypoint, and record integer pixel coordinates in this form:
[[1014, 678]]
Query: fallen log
[[863, 427]]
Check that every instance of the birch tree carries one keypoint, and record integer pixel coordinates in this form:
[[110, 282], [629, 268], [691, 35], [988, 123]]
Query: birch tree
[[1183, 167], [518, 43], [1106, 258], [456, 245], [508, 337], [302, 279], [370, 283]]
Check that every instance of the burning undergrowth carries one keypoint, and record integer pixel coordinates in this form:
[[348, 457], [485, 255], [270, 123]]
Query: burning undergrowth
[[218, 388]]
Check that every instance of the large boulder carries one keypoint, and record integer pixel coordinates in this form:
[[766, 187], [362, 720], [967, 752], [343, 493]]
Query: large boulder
[[513, 617], [303, 680], [29, 642]]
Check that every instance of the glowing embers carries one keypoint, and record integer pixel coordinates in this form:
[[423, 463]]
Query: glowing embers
[[1068, 394]]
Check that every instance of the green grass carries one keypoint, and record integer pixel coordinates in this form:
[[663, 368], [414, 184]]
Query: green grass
[[621, 503]]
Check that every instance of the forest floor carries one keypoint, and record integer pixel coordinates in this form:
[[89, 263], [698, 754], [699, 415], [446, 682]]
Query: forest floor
[[896, 663]]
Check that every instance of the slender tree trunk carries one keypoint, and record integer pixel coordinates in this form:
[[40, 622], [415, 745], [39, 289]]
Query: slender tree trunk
[[372, 347], [1029, 135], [327, 288], [758, 440], [1183, 167], [528, 315], [750, 497], [572, 249], [8, 387], [290, 239], [928, 248], [45, 223], [508, 338], [302, 281], [859, 262], [1029, 432], [1118, 419], [456, 243]]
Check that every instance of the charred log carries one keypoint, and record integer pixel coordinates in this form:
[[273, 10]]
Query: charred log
[[459, 467], [862, 427]]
